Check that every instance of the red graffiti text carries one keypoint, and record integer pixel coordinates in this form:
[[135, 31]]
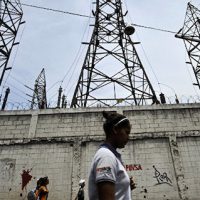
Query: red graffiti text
[[132, 167]]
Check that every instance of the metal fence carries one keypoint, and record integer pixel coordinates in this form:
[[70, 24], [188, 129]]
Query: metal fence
[[53, 104]]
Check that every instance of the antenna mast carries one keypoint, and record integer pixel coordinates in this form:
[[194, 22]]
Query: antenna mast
[[10, 20], [190, 33], [112, 73]]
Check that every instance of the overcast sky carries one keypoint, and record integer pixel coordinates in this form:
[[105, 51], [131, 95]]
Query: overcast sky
[[52, 41]]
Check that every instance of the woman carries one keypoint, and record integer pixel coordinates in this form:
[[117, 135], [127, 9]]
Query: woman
[[43, 191], [33, 194], [80, 195], [108, 179]]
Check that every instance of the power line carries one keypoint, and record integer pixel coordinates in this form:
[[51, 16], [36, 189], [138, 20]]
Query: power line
[[53, 85], [55, 10], [87, 16], [152, 69], [53, 96], [191, 79], [16, 88], [157, 29], [147, 59], [77, 58], [148, 27], [19, 95], [17, 80]]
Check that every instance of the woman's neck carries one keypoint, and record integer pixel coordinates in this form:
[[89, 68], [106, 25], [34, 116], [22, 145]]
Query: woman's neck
[[110, 142]]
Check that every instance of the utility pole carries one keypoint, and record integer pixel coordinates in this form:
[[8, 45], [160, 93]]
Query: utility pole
[[64, 102], [39, 99], [5, 99], [10, 20], [112, 73], [59, 97], [190, 33]]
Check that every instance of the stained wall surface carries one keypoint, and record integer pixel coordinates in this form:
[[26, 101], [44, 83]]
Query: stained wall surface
[[163, 154]]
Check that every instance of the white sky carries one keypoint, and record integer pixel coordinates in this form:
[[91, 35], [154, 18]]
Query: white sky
[[53, 41]]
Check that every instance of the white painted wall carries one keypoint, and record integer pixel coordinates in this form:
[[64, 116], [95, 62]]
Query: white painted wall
[[163, 154]]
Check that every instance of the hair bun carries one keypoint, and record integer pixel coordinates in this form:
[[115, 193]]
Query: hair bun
[[105, 114], [109, 115]]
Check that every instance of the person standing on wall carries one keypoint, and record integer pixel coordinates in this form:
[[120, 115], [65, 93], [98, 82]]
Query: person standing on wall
[[108, 179]]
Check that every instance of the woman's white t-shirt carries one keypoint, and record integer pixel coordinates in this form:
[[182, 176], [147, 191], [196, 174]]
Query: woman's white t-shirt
[[107, 166]]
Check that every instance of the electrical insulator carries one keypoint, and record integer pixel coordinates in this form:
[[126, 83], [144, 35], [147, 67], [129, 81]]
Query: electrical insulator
[[162, 98]]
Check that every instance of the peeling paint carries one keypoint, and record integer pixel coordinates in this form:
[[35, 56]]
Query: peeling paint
[[7, 167]]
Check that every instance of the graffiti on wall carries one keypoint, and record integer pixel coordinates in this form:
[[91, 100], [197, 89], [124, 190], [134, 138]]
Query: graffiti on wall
[[26, 177], [133, 167], [161, 178]]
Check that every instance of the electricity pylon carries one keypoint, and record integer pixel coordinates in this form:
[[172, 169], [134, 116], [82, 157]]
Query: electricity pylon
[[190, 33], [112, 73], [39, 99], [10, 20]]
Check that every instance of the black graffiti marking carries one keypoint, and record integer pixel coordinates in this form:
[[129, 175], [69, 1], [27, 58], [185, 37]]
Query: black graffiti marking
[[162, 178]]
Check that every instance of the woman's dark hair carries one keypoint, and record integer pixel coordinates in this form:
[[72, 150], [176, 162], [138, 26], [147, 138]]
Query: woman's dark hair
[[39, 183], [43, 181], [114, 119]]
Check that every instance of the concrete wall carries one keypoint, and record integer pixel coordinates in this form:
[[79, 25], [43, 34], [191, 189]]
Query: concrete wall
[[163, 154]]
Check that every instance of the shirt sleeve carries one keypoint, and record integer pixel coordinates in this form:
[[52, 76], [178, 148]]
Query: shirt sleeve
[[105, 169]]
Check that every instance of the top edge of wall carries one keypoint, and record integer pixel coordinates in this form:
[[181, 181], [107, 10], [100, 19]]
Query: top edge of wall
[[100, 109]]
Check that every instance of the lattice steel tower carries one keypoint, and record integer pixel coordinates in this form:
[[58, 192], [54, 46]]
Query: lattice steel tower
[[190, 33], [112, 73], [39, 99], [10, 20]]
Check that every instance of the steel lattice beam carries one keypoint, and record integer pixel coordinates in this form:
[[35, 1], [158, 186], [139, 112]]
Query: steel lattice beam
[[190, 33], [112, 73], [10, 20]]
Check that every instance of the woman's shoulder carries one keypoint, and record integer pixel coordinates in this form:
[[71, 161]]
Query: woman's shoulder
[[43, 188], [105, 152]]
